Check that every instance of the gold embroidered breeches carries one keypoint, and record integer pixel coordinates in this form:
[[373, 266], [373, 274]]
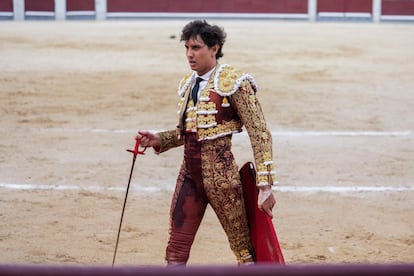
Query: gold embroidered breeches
[[208, 175]]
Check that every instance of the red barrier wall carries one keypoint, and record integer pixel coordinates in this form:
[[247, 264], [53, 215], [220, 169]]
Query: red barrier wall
[[39, 5], [235, 6], [80, 5], [6, 5], [364, 6], [398, 7], [291, 6], [389, 7]]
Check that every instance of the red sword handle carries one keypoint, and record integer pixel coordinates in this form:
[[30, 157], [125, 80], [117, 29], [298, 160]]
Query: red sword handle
[[136, 149]]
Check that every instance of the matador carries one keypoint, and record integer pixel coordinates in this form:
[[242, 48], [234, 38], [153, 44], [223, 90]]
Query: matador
[[226, 102]]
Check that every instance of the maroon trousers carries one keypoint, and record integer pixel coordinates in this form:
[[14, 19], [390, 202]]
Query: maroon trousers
[[188, 206]]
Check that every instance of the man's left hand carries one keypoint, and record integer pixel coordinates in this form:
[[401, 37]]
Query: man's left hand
[[266, 200]]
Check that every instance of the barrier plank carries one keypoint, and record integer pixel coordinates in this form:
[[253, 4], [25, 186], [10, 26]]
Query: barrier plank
[[345, 6], [80, 5], [219, 6], [6, 6], [398, 7], [42, 6]]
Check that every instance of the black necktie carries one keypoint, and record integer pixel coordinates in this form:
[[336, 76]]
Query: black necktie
[[194, 92]]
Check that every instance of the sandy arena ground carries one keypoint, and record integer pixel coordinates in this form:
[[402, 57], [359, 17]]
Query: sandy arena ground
[[339, 98]]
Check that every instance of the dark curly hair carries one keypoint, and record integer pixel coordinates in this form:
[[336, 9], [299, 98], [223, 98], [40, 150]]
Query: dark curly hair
[[210, 34]]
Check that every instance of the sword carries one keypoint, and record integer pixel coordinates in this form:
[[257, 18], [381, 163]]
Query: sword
[[134, 152]]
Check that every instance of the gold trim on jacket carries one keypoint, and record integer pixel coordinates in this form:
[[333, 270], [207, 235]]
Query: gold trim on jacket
[[226, 104]]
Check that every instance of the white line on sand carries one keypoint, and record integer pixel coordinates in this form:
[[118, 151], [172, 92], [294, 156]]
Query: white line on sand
[[294, 189], [407, 133]]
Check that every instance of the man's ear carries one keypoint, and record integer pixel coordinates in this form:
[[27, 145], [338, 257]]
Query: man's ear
[[215, 49]]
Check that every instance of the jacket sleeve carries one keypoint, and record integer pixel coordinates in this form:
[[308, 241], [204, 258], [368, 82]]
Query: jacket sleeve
[[169, 140], [250, 112]]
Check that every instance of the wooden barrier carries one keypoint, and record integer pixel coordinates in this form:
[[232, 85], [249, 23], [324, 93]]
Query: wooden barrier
[[312, 10], [78, 9], [397, 10], [346, 9], [6, 9], [80, 5], [191, 6], [398, 7], [6, 6]]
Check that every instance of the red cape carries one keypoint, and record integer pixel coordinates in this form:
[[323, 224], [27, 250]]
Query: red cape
[[262, 231]]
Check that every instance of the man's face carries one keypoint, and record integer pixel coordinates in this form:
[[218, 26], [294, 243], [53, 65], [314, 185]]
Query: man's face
[[201, 58]]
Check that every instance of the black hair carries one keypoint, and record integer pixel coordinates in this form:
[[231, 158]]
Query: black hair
[[210, 34]]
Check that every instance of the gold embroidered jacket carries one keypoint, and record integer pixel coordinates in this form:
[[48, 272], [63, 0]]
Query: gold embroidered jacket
[[226, 104]]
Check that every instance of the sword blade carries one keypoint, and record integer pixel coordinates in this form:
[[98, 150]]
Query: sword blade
[[123, 208]]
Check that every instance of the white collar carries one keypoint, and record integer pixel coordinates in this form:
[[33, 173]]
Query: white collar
[[207, 75]]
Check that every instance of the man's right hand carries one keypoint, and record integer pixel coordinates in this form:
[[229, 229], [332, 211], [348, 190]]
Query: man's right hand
[[149, 139]]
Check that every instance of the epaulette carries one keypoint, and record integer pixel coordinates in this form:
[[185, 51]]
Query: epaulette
[[228, 80]]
